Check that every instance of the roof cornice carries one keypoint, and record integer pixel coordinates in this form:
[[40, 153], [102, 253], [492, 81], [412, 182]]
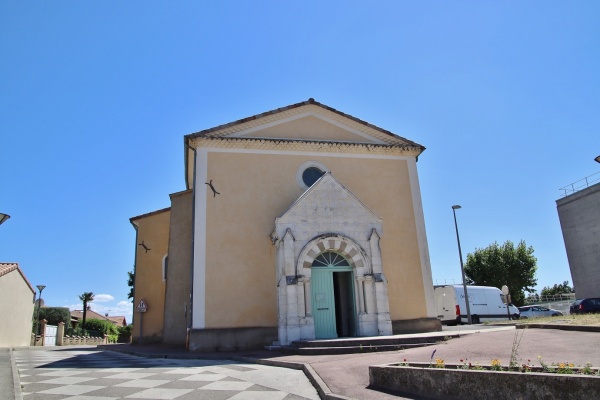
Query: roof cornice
[[310, 146]]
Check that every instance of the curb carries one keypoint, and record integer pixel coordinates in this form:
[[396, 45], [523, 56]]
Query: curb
[[15, 375], [322, 389], [577, 328]]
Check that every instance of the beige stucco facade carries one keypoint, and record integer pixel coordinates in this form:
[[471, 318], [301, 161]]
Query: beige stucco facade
[[16, 306], [247, 195], [152, 238]]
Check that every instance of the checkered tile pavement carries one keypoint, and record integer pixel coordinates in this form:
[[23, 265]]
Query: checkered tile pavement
[[90, 374]]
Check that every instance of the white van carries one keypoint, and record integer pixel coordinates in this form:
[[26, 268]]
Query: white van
[[485, 304]]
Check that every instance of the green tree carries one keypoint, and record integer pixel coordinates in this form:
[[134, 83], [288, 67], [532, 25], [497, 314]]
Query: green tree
[[130, 283], [499, 265], [86, 297], [562, 288], [54, 315]]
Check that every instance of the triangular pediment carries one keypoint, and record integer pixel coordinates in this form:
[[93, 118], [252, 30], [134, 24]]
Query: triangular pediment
[[309, 126], [307, 121], [328, 203]]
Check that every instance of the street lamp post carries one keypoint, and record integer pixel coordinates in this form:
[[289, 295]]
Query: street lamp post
[[37, 315], [462, 268]]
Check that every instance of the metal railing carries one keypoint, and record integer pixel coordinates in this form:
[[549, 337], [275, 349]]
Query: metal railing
[[581, 184], [537, 299]]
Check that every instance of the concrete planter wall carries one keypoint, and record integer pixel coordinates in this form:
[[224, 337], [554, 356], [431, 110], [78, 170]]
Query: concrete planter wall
[[447, 383]]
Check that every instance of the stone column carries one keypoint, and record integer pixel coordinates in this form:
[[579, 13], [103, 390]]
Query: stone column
[[360, 295], [384, 323], [307, 297], [370, 303], [301, 296], [60, 334], [43, 323]]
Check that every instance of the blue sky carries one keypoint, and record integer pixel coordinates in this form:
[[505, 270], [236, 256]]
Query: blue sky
[[95, 98]]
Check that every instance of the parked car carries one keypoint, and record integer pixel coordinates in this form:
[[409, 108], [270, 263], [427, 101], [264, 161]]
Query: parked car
[[538, 311], [583, 306]]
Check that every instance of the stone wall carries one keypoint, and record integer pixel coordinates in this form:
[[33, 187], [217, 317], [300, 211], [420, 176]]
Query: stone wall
[[449, 384]]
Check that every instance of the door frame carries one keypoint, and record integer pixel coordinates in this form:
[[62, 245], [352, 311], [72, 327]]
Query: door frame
[[328, 273]]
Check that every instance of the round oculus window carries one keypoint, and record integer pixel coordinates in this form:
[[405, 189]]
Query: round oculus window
[[310, 172], [311, 175]]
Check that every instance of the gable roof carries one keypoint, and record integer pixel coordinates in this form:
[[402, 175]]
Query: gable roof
[[214, 132], [6, 268], [237, 134]]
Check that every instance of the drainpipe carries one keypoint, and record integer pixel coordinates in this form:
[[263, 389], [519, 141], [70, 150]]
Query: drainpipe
[[191, 319], [134, 275]]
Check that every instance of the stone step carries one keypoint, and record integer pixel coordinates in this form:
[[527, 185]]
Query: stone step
[[371, 341], [313, 351]]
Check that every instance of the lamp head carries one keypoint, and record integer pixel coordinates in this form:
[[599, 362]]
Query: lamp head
[[597, 159], [456, 207], [41, 287]]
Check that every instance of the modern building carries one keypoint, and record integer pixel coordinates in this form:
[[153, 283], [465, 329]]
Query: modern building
[[298, 223], [579, 215], [17, 298]]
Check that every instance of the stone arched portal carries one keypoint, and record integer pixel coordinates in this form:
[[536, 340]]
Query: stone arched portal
[[354, 234]]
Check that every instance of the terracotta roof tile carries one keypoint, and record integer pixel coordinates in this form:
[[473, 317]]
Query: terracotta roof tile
[[78, 314], [6, 268]]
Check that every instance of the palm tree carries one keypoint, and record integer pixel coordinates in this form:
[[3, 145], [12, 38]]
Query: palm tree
[[86, 297]]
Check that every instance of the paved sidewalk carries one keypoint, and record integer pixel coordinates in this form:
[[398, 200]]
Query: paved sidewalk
[[9, 380], [89, 373], [346, 376]]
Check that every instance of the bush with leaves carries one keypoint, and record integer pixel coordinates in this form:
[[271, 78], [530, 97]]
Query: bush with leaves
[[104, 327], [53, 315], [125, 333]]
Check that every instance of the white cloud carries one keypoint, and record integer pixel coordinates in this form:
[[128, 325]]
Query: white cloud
[[103, 298], [124, 303], [74, 307]]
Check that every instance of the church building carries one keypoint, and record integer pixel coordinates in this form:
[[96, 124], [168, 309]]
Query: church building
[[299, 223]]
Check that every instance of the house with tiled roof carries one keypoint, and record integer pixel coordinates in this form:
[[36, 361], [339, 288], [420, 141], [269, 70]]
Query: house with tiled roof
[[77, 316], [17, 298], [299, 223]]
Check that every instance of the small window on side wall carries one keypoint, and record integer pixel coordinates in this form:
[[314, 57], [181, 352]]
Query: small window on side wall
[[165, 267]]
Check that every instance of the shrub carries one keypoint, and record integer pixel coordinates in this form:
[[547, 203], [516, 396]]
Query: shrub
[[124, 333], [105, 327], [54, 315]]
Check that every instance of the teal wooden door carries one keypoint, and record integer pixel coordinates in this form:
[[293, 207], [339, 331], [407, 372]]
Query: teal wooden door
[[323, 303]]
